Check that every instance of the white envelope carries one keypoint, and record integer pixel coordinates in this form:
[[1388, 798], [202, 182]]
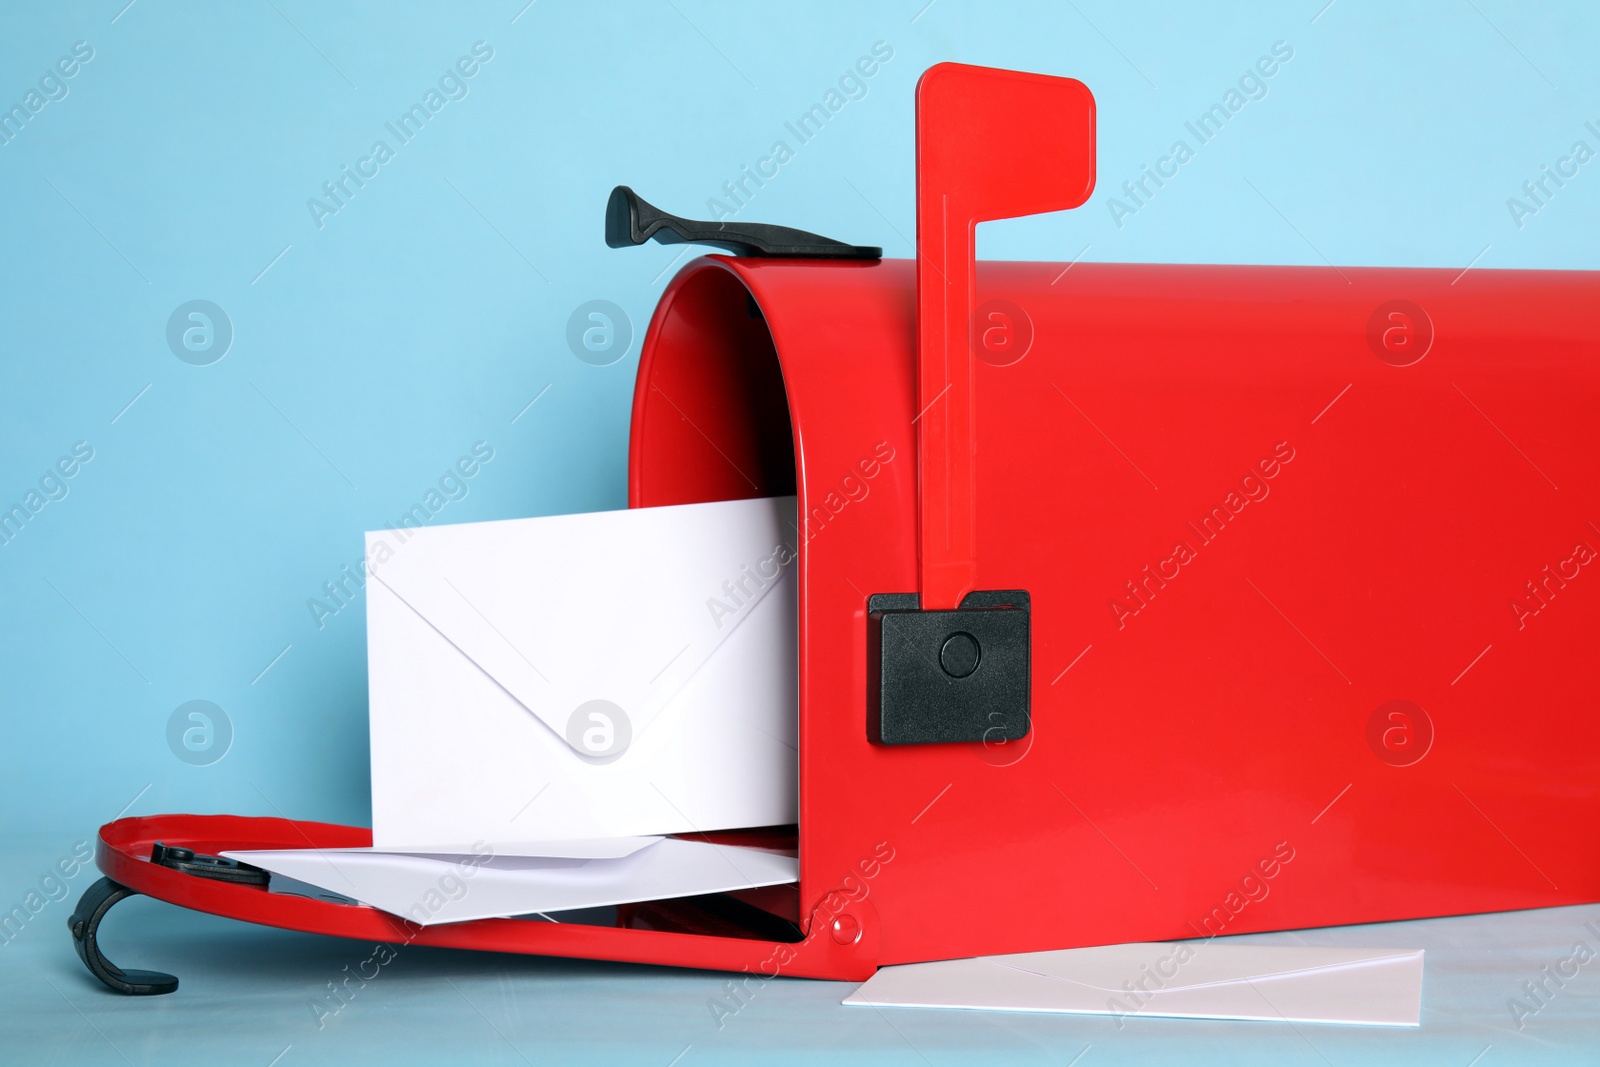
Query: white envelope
[[456, 888], [1204, 980], [328, 865], [612, 674]]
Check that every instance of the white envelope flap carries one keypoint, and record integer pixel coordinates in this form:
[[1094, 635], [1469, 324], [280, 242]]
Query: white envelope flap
[[641, 598], [1188, 965], [593, 848], [1295, 983]]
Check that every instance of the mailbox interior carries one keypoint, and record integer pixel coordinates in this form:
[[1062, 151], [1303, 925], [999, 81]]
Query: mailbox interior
[[711, 422], [711, 418]]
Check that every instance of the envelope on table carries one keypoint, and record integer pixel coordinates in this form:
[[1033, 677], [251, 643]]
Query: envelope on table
[[1209, 980], [612, 674]]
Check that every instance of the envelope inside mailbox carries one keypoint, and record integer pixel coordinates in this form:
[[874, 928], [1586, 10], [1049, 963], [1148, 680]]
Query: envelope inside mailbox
[[612, 674], [689, 587], [430, 889]]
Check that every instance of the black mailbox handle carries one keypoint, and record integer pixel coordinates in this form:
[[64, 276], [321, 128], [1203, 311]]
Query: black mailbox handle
[[631, 220]]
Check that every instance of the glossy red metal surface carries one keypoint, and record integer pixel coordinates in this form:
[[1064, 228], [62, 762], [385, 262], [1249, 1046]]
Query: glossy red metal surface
[[1279, 526]]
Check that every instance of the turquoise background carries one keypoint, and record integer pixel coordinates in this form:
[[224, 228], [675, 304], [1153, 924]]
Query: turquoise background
[[370, 352]]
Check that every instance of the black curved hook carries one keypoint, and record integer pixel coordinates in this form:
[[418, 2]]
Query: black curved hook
[[85, 922]]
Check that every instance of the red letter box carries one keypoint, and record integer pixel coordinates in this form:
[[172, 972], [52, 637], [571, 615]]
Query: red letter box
[[1136, 602]]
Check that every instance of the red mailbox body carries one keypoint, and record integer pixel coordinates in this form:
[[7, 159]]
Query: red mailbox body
[[1246, 532]]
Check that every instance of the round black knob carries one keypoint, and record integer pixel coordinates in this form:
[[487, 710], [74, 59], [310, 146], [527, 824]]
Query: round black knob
[[960, 654]]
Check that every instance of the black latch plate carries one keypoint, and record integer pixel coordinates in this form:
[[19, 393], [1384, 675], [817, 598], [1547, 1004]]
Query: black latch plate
[[949, 676], [215, 867]]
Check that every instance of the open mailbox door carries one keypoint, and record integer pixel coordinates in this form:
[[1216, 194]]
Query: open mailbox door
[[1135, 602]]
